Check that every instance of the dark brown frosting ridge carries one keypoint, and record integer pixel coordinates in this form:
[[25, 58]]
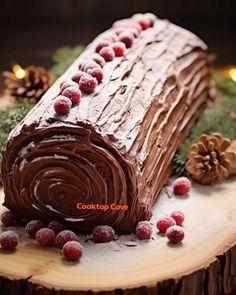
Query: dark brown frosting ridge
[[117, 145]]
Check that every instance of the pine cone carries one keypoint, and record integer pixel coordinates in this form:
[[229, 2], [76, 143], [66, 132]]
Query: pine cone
[[35, 83], [209, 161]]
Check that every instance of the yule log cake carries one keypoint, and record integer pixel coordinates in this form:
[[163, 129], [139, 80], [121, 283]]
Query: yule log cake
[[105, 159]]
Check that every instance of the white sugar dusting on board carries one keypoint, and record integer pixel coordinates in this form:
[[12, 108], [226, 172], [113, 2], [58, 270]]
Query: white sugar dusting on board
[[205, 218]]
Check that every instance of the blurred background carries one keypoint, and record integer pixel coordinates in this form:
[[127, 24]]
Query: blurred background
[[32, 30]]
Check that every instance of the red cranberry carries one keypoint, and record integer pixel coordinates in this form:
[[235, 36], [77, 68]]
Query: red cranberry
[[33, 226], [55, 226], [164, 223], [8, 218], [45, 237], [62, 105], [182, 186], [107, 53], [66, 84], [76, 77], [97, 73], [178, 217], [101, 44], [144, 22], [151, 17], [111, 37], [72, 251], [90, 65], [9, 240], [65, 236], [119, 48], [99, 60], [87, 83], [127, 38], [175, 234], [124, 24], [73, 93], [103, 234], [144, 230]]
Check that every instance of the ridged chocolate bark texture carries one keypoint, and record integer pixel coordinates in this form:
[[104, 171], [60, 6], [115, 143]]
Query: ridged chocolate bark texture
[[117, 145]]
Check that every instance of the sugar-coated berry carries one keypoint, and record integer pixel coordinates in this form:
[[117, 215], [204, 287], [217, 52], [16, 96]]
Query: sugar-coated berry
[[127, 23], [164, 223], [73, 93], [178, 216], [90, 65], [33, 226], [99, 60], [8, 218], [87, 83], [107, 53], [45, 237], [9, 240], [65, 236], [55, 226], [66, 84], [181, 186], [152, 18], [72, 251], [97, 73], [144, 230], [175, 234], [62, 105], [76, 77], [103, 234], [119, 48], [111, 37], [144, 21], [134, 32], [101, 44], [127, 37]]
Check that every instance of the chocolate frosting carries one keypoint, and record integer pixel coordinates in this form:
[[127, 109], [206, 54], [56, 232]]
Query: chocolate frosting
[[117, 145]]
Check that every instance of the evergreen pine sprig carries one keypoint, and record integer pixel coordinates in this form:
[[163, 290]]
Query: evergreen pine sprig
[[215, 118], [9, 118], [63, 58]]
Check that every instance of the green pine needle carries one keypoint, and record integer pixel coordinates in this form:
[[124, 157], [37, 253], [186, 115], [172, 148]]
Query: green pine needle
[[63, 58]]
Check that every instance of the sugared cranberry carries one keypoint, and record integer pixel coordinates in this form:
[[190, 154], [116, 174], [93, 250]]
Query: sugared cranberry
[[111, 37], [107, 53], [76, 77], [152, 18], [33, 226], [72, 251], [175, 234], [103, 234], [124, 24], [127, 37], [97, 73], [90, 65], [101, 44], [55, 226], [87, 83], [134, 32], [8, 218], [164, 223], [66, 84], [99, 60], [62, 105], [181, 186], [144, 230], [119, 48], [178, 217], [144, 22], [65, 236], [73, 93], [45, 237], [9, 240]]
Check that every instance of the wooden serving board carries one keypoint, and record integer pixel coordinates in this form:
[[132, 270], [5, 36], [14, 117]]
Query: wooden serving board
[[205, 263]]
